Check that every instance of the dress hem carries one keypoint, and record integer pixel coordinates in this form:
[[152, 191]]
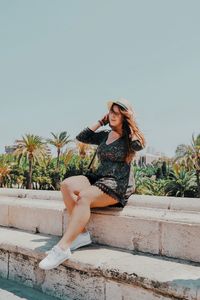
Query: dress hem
[[111, 193]]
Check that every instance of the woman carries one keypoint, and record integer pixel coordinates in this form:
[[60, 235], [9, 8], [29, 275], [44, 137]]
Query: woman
[[108, 185]]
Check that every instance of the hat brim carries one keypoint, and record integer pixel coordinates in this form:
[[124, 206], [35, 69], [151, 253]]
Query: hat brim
[[110, 103]]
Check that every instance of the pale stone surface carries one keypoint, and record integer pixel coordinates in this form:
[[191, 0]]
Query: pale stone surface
[[164, 202], [129, 233], [21, 268], [149, 230], [43, 220], [118, 291], [198, 294], [66, 282], [4, 214], [185, 204], [32, 214], [150, 214], [146, 201], [133, 228], [169, 277], [32, 202], [13, 239], [61, 282], [34, 194], [8, 295], [182, 240], [4, 254], [182, 217]]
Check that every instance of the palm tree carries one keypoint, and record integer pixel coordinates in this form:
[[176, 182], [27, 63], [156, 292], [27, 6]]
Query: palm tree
[[5, 170], [59, 141], [34, 149], [189, 155]]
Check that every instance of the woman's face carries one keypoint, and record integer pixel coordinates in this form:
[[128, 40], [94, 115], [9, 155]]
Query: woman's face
[[115, 116]]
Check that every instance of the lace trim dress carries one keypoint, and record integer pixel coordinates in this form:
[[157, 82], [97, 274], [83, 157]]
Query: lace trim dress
[[112, 175]]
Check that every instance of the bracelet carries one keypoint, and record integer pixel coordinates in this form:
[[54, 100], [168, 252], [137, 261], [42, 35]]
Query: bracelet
[[101, 122]]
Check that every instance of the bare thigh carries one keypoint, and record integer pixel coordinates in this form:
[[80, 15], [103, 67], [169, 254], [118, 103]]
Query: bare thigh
[[95, 197], [75, 184]]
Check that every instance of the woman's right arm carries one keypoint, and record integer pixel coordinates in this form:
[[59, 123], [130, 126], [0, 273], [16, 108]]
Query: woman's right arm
[[95, 126], [89, 136]]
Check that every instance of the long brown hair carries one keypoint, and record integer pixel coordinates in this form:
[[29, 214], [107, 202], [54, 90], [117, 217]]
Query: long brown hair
[[130, 126]]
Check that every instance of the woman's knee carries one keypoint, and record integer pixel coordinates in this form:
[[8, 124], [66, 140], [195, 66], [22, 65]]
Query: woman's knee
[[84, 197], [69, 196], [66, 184]]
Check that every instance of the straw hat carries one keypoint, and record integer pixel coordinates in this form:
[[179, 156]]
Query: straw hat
[[124, 103]]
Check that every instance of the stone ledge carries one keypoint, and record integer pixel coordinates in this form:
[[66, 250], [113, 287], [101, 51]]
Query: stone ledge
[[27, 193], [151, 230], [163, 202], [165, 278], [156, 231], [33, 214], [149, 213]]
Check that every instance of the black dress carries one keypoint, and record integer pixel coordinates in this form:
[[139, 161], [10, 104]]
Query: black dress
[[112, 173]]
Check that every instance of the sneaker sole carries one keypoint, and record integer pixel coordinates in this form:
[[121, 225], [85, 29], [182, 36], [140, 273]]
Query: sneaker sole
[[55, 266]]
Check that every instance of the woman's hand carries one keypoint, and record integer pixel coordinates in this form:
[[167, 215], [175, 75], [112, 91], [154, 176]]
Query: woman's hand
[[104, 121]]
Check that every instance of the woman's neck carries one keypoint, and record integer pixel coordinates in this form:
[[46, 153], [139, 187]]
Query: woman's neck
[[117, 130]]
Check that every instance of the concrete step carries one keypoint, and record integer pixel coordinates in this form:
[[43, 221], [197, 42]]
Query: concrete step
[[167, 232], [146, 201], [33, 194], [37, 215], [96, 272], [156, 231]]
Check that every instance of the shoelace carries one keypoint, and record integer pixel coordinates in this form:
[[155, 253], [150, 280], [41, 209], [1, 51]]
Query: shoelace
[[56, 250], [53, 251]]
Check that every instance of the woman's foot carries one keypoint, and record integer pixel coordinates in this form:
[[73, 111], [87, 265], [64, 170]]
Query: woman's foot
[[55, 257], [81, 240]]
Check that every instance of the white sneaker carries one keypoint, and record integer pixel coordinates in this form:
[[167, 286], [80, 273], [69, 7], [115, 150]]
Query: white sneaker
[[81, 240], [54, 258]]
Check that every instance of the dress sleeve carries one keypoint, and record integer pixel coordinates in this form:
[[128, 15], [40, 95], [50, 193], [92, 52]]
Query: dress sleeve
[[89, 136], [136, 145]]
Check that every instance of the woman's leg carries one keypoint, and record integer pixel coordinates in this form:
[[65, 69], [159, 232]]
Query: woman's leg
[[70, 189], [89, 197]]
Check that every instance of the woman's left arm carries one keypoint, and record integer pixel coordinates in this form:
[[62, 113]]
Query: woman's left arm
[[135, 145]]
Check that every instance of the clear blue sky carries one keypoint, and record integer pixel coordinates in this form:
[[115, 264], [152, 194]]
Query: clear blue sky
[[60, 61]]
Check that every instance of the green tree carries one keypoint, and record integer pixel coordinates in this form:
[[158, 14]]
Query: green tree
[[5, 170], [189, 156], [34, 149], [59, 141], [182, 183]]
